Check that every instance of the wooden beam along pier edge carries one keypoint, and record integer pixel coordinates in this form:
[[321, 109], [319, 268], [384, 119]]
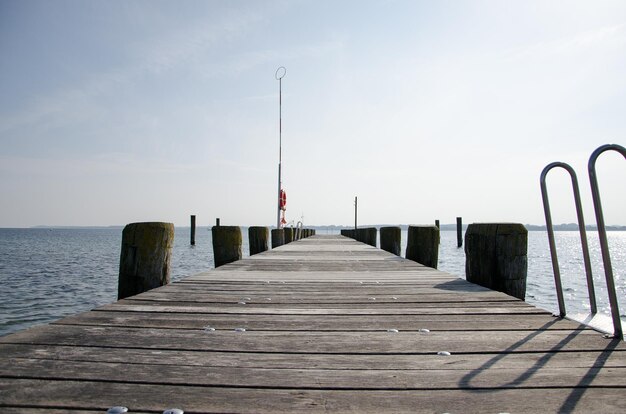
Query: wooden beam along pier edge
[[320, 324]]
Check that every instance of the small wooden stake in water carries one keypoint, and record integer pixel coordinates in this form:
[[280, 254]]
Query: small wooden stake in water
[[193, 230], [459, 232]]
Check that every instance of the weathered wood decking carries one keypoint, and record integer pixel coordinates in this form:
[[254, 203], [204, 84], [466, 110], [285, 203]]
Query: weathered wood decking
[[319, 316]]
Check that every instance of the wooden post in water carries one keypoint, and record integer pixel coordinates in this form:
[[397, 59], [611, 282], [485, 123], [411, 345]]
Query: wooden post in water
[[278, 237], [145, 257], [366, 235], [226, 244], [459, 232], [423, 245], [257, 237], [390, 238], [289, 233], [217, 222], [496, 257], [193, 230], [437, 224]]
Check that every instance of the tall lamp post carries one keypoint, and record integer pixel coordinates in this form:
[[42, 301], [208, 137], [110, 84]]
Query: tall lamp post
[[279, 75]]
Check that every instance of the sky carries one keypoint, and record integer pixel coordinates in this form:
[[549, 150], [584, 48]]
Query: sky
[[114, 112]]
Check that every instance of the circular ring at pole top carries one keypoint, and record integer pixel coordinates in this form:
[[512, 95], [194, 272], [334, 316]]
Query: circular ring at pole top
[[280, 73]]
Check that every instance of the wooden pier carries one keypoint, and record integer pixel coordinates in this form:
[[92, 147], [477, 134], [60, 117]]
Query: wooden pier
[[322, 324]]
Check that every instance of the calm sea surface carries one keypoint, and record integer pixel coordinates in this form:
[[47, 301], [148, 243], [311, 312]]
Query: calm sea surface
[[47, 274]]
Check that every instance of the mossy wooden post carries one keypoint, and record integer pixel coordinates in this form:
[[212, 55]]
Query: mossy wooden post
[[278, 237], [423, 245], [369, 236], [145, 257], [193, 230], [257, 237], [288, 234], [390, 239], [226, 244], [366, 235], [459, 232], [496, 257], [359, 235]]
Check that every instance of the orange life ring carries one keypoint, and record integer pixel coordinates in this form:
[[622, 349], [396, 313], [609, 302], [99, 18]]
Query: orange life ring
[[283, 200]]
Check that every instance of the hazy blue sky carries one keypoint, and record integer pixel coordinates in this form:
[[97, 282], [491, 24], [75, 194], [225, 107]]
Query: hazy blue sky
[[120, 111]]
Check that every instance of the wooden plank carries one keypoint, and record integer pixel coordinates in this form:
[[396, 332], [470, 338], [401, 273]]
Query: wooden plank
[[166, 320], [317, 342], [373, 362], [374, 302], [322, 298], [365, 379], [236, 308], [150, 397]]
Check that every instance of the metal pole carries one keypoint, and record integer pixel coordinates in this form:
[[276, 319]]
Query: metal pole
[[279, 75], [355, 211]]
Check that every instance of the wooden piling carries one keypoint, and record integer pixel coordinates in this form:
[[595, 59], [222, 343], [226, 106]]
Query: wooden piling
[[437, 224], [278, 237], [193, 230], [289, 233], [217, 222], [496, 257], [145, 257], [226, 244], [258, 239], [390, 239], [367, 235], [459, 232], [423, 245]]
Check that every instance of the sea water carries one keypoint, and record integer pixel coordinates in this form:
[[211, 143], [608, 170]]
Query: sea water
[[46, 274]]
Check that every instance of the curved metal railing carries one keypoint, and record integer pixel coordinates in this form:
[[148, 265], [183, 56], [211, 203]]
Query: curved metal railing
[[604, 243], [583, 237], [604, 246]]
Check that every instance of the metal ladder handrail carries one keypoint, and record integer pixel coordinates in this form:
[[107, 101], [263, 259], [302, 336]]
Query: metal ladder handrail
[[604, 244], [583, 237], [299, 230]]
